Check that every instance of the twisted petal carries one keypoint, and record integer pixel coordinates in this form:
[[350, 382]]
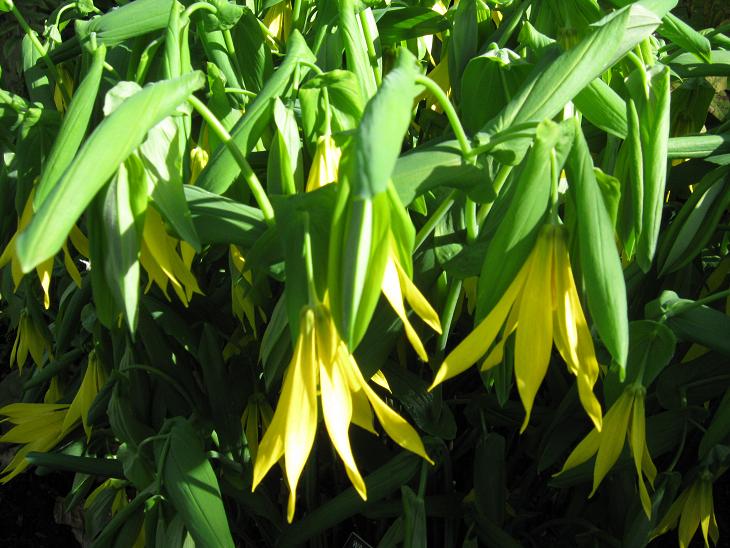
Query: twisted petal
[[294, 424], [572, 336], [637, 441], [392, 291], [708, 523], [583, 451], [613, 434], [476, 344], [534, 339], [496, 355], [337, 411], [394, 425]]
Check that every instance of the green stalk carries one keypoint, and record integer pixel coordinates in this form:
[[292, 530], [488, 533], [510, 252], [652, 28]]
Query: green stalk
[[370, 42], [447, 315], [433, 220], [253, 182], [499, 180], [41, 50], [450, 112]]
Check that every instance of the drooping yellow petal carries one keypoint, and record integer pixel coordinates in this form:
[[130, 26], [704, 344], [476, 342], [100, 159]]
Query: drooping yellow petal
[[392, 291], [689, 521], [476, 344], [70, 266], [416, 300], [613, 435], [572, 336], [670, 519], [79, 241], [337, 411], [301, 415], [637, 441], [394, 425], [44, 275], [379, 379], [90, 385], [583, 451], [496, 355], [534, 339]]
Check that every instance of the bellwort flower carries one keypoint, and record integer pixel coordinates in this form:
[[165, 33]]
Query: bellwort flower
[[625, 418], [397, 286], [693, 508], [542, 305], [322, 359]]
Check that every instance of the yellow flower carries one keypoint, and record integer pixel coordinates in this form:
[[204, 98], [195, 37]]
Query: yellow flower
[[28, 340], [325, 163], [43, 270], [242, 302], [278, 21], [395, 286], [396, 283], [37, 425], [322, 358], [624, 419], [692, 509], [542, 305], [40, 426], [198, 161], [160, 258]]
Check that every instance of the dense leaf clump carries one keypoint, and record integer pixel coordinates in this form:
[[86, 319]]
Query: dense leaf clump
[[277, 273]]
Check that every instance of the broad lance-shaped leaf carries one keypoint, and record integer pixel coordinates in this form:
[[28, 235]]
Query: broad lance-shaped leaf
[[73, 128], [222, 168], [122, 243], [653, 107], [359, 241], [192, 488], [108, 146], [555, 82], [600, 263]]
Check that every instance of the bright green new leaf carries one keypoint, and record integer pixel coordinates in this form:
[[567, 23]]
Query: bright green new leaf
[[108, 146], [192, 488], [600, 263]]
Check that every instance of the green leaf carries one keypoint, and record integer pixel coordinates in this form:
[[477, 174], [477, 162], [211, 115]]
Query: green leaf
[[397, 24], [653, 108], [122, 242], [379, 137], [490, 486], [192, 488], [414, 518], [686, 37], [696, 222], [345, 103], [222, 168], [108, 146], [220, 220], [73, 129], [600, 263], [463, 44], [555, 81], [719, 428]]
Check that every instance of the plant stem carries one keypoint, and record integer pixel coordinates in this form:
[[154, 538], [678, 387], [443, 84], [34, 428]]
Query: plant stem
[[232, 51], [450, 112], [370, 42], [433, 220], [447, 315], [241, 91], [472, 226], [684, 307], [253, 182], [42, 51], [499, 180]]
